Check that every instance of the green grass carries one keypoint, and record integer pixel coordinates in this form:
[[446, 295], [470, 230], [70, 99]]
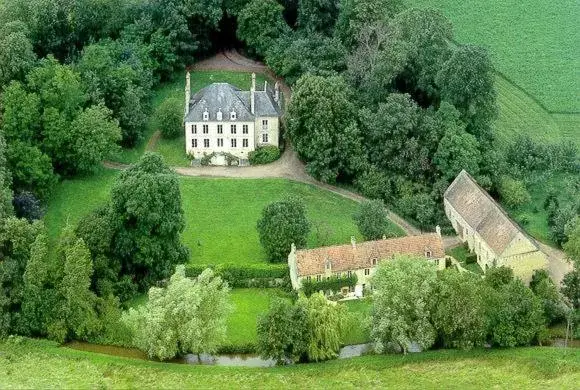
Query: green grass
[[460, 254], [220, 214], [535, 43], [358, 331], [42, 364]]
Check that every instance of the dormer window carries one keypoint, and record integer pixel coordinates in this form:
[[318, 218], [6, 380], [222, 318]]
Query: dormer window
[[328, 265], [428, 253], [219, 115], [233, 115], [374, 261], [205, 115]]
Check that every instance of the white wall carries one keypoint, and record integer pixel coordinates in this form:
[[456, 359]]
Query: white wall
[[213, 136]]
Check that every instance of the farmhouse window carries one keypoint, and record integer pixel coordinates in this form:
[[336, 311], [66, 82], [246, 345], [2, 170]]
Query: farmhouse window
[[308, 278], [233, 115], [374, 261], [265, 124], [194, 143], [233, 129], [220, 129], [244, 129], [428, 253], [234, 143], [367, 271], [349, 274], [206, 143], [193, 129], [265, 137], [220, 142], [318, 278], [245, 142], [205, 129], [205, 115]]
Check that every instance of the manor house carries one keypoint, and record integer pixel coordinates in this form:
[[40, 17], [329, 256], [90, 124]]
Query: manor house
[[488, 231], [361, 259], [224, 121]]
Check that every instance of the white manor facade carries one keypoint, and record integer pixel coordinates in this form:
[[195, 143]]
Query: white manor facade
[[222, 120]]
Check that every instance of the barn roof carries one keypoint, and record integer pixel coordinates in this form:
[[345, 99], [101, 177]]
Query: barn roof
[[482, 213], [350, 257]]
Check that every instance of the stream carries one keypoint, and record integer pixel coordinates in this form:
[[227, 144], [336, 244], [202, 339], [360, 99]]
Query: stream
[[235, 360]]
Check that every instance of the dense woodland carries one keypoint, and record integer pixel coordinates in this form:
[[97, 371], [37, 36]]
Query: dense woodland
[[383, 101]]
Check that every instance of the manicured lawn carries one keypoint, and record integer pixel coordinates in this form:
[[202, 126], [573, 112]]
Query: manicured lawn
[[42, 364], [221, 214], [358, 330], [535, 43]]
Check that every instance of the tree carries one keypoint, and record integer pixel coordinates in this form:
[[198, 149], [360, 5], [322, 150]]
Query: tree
[[457, 149], [326, 326], [169, 118], [571, 287], [546, 290], [572, 245], [372, 220], [188, 316], [31, 169], [147, 243], [5, 182], [323, 129], [513, 192], [282, 224], [459, 315], [317, 15], [16, 55], [283, 332], [466, 80], [401, 314], [260, 24], [20, 113], [27, 206], [516, 315], [496, 277]]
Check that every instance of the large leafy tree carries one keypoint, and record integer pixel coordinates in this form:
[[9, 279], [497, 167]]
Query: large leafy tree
[[5, 182], [21, 113], [169, 118], [260, 23], [545, 289], [466, 80], [401, 314], [317, 15], [372, 220], [31, 169], [16, 55], [146, 210], [322, 127], [188, 316], [282, 224], [283, 332], [572, 245], [458, 310]]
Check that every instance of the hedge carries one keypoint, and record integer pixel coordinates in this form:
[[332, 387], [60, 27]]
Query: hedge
[[471, 258], [233, 349], [264, 155], [249, 275], [333, 284]]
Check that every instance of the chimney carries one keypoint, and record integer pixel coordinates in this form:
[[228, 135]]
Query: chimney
[[276, 92], [293, 248], [187, 92], [438, 230], [265, 85], [252, 91], [353, 242]]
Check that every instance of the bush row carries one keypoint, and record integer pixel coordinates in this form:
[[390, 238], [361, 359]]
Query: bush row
[[264, 155], [333, 284], [230, 349], [248, 275]]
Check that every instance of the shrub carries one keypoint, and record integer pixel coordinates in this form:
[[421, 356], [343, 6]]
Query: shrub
[[264, 155], [26, 205], [513, 192], [333, 284], [169, 118], [241, 276], [372, 220], [471, 258]]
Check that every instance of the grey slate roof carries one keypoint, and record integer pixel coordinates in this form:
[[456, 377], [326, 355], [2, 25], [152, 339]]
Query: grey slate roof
[[226, 97], [482, 213]]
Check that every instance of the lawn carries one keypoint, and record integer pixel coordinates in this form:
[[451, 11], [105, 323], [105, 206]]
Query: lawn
[[358, 330], [534, 43], [42, 364], [173, 150], [460, 254], [220, 214]]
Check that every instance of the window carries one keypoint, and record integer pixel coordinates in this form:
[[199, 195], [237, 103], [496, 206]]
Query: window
[[220, 129], [194, 143], [234, 143], [364, 286], [265, 137], [233, 115], [265, 124], [219, 115], [220, 142], [349, 274], [205, 115], [193, 129], [367, 271], [374, 261], [205, 129], [245, 142], [245, 129], [308, 278], [428, 253], [233, 129], [206, 143], [318, 278]]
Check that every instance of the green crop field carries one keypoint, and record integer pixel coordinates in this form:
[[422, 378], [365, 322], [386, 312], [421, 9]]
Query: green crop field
[[221, 214], [535, 43], [42, 364]]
